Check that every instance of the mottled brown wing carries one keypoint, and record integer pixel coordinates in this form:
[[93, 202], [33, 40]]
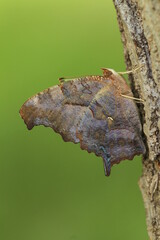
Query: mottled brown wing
[[89, 110], [62, 107], [111, 128]]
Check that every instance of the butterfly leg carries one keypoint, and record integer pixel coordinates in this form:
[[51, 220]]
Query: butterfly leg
[[61, 79], [132, 71], [106, 161], [133, 98], [64, 79]]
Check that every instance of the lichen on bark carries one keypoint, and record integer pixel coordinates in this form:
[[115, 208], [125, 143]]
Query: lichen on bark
[[139, 23]]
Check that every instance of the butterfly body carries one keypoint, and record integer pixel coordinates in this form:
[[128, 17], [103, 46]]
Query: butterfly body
[[90, 111]]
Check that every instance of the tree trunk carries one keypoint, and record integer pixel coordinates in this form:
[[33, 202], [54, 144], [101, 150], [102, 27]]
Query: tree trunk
[[139, 23]]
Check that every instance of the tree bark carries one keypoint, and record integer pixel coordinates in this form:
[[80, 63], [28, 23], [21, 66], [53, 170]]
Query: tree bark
[[139, 23]]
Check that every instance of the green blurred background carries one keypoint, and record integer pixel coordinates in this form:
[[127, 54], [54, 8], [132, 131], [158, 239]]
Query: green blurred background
[[50, 189]]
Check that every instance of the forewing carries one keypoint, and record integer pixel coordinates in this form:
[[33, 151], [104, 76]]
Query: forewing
[[62, 107]]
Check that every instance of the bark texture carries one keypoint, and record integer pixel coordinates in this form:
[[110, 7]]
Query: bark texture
[[139, 23]]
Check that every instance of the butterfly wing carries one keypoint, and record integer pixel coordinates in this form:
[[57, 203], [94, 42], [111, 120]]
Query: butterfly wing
[[89, 110], [62, 107], [111, 128]]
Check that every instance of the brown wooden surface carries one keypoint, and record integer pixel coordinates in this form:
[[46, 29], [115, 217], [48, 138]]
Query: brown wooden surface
[[139, 23]]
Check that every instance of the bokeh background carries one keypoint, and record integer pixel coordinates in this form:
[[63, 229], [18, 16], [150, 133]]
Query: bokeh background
[[51, 190]]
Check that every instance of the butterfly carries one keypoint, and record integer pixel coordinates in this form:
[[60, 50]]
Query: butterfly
[[99, 112]]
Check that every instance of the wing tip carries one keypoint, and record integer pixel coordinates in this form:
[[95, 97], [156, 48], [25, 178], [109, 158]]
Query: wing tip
[[27, 120]]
